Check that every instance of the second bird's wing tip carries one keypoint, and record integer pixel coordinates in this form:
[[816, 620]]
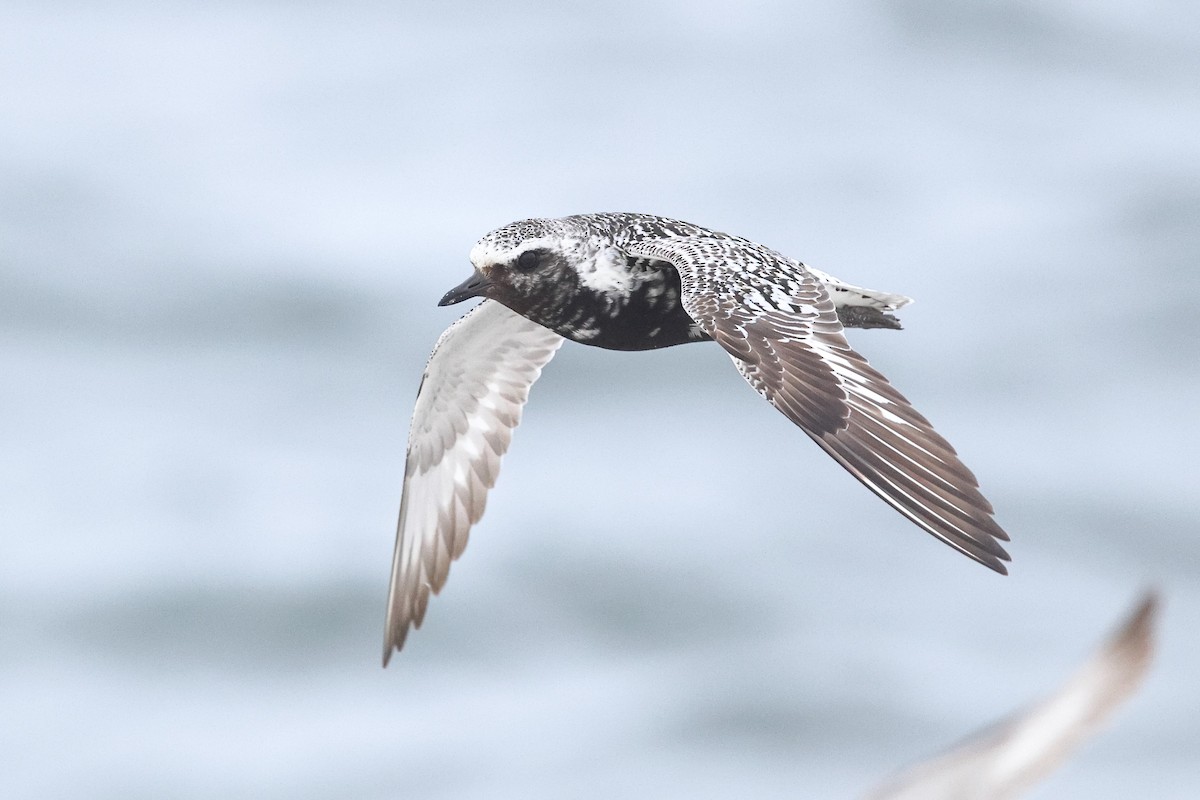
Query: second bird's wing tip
[[1010, 756]]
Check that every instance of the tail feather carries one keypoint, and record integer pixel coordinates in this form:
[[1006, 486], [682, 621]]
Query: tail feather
[[846, 294]]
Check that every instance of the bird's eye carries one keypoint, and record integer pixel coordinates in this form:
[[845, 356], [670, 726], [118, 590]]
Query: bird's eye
[[527, 260]]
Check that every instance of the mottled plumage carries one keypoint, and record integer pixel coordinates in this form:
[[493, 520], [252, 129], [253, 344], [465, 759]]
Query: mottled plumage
[[638, 282]]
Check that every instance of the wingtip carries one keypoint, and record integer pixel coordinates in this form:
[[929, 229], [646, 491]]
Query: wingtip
[[1148, 606], [393, 640], [1003, 559], [994, 557], [1137, 633], [390, 648]]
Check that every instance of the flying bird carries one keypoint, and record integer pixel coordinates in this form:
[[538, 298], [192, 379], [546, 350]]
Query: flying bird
[[626, 281]]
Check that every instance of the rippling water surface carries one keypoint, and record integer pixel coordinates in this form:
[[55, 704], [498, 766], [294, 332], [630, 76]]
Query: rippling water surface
[[223, 228]]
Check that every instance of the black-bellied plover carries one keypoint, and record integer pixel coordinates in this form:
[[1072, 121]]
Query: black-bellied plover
[[628, 281]]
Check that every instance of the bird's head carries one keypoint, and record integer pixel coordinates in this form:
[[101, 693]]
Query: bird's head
[[528, 264]]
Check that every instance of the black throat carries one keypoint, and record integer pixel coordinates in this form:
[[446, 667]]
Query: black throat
[[647, 317]]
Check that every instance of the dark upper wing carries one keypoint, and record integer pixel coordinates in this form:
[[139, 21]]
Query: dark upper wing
[[779, 325], [1009, 757], [470, 400]]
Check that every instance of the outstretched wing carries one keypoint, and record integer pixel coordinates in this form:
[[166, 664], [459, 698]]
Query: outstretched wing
[[779, 324], [470, 400], [1011, 756]]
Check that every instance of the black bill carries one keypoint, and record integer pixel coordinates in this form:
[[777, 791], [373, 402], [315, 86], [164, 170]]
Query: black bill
[[474, 286]]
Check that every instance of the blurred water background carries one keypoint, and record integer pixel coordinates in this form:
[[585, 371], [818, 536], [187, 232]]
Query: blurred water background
[[223, 230]]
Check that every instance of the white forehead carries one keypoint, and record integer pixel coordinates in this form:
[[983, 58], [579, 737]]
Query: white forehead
[[488, 251], [566, 236]]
